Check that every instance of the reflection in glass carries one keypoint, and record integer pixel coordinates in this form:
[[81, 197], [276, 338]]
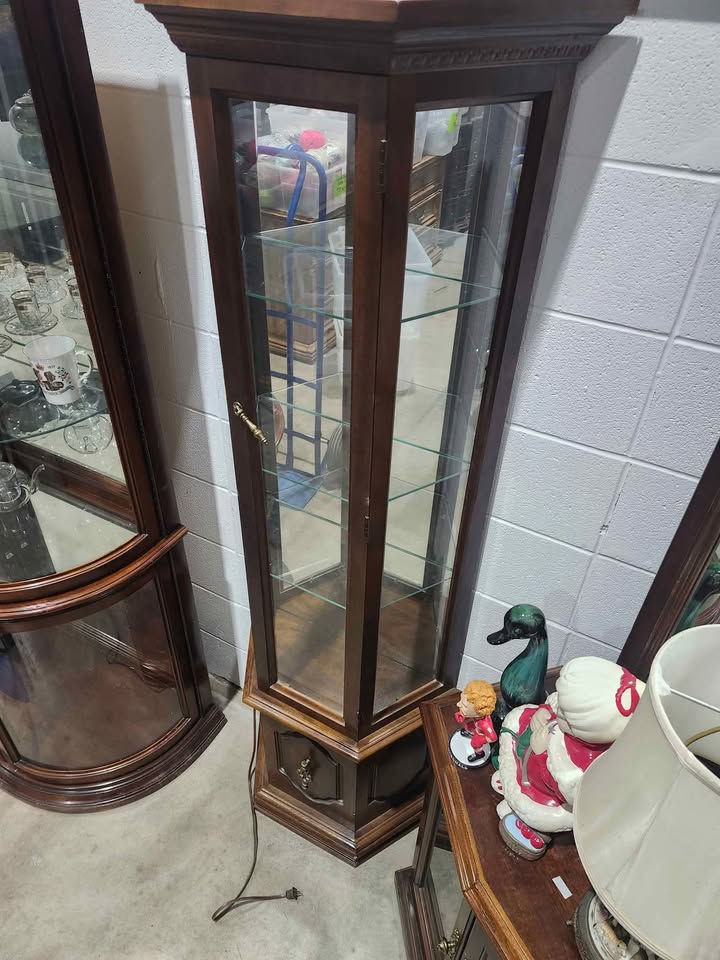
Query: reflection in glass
[[454, 267], [448, 892], [294, 171], [23, 552], [91, 691], [12, 273], [89, 436], [704, 605], [72, 308], [39, 295]]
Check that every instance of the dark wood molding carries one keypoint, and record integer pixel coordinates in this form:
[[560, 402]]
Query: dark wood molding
[[454, 59], [84, 599], [390, 38], [353, 845], [406, 893], [333, 739], [23, 591], [682, 568], [419, 915], [43, 787]]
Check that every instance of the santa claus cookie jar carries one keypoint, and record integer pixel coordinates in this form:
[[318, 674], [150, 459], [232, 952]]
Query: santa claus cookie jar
[[546, 748], [470, 746]]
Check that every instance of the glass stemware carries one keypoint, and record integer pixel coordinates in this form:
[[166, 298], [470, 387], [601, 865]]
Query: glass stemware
[[31, 318], [89, 436], [73, 309], [6, 309], [46, 289], [28, 418], [12, 273]]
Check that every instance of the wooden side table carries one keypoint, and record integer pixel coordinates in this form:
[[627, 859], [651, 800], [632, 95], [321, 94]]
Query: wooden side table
[[481, 902]]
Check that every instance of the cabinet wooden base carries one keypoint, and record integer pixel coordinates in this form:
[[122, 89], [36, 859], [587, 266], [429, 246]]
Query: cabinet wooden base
[[340, 808], [70, 792]]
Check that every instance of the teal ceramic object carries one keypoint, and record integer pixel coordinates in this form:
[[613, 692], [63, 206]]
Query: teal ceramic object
[[709, 585], [523, 679]]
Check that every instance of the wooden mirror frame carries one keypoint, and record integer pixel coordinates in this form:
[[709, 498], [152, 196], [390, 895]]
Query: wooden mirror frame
[[679, 574]]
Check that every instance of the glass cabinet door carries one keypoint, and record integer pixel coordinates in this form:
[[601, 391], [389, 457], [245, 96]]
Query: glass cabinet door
[[93, 690], [452, 910], [453, 275], [294, 172], [56, 435]]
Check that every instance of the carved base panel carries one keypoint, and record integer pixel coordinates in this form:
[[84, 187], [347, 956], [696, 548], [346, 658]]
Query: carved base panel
[[351, 809]]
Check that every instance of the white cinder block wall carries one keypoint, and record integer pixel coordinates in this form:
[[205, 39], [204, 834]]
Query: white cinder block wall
[[617, 405]]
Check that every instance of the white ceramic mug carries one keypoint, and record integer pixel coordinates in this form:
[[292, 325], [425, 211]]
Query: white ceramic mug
[[54, 362]]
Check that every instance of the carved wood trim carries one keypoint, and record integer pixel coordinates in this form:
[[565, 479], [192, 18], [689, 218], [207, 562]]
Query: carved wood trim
[[109, 586], [456, 59]]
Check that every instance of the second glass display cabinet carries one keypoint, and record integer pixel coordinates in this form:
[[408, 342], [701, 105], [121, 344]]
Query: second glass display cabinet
[[104, 694], [376, 183]]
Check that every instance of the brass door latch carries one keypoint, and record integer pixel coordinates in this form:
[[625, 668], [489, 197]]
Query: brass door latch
[[252, 427], [449, 947], [305, 773]]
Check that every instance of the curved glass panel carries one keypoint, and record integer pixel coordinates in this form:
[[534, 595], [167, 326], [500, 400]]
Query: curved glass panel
[[91, 691], [456, 243], [53, 415]]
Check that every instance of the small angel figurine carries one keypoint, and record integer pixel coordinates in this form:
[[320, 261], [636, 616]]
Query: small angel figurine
[[470, 747]]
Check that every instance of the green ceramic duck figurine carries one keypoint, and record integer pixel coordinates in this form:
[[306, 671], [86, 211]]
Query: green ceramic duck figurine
[[523, 679]]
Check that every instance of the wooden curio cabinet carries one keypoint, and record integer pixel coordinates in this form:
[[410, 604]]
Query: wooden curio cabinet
[[104, 695], [376, 178]]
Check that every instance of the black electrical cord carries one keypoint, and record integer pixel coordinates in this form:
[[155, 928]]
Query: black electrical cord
[[293, 893]]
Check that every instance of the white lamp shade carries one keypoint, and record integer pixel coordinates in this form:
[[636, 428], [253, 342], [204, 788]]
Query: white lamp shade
[[647, 812]]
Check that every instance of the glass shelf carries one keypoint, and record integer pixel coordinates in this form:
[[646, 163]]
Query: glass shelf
[[62, 417], [335, 483], [312, 533], [309, 508], [419, 430], [13, 361], [330, 586], [301, 269]]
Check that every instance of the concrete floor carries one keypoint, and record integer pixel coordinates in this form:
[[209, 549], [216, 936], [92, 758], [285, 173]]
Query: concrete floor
[[141, 881]]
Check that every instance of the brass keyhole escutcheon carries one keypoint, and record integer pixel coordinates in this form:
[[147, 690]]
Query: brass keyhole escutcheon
[[449, 947], [305, 773], [252, 427]]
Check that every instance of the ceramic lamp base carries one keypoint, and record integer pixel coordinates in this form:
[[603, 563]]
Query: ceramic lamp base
[[600, 937]]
